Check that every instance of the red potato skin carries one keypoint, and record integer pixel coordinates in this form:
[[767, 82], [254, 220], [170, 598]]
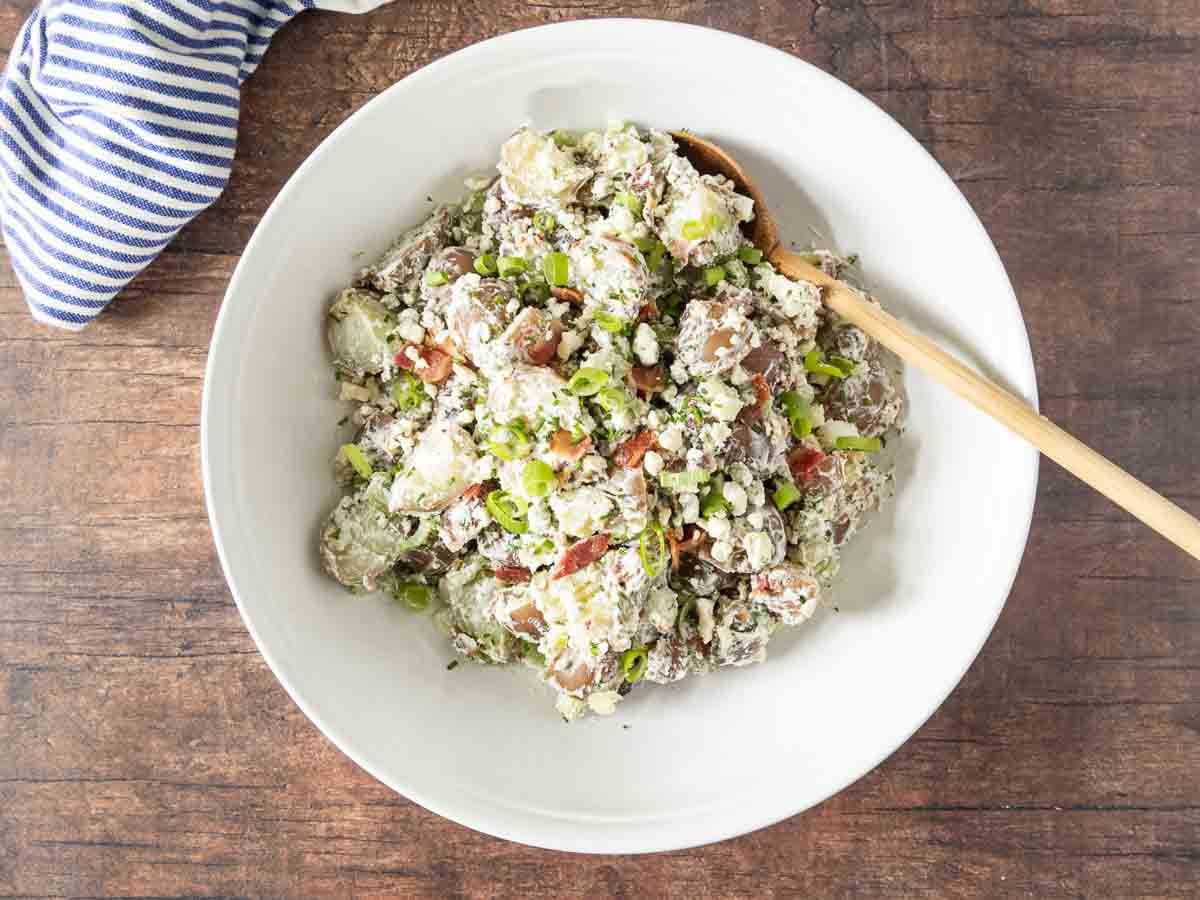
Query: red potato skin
[[438, 363], [648, 379]]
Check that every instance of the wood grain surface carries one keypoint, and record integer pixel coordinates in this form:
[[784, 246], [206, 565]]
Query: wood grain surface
[[146, 750]]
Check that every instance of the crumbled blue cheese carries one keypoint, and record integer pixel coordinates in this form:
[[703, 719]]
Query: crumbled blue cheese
[[760, 550], [724, 402], [580, 512], [645, 345]]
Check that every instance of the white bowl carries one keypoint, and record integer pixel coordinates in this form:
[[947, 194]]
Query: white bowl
[[711, 757]]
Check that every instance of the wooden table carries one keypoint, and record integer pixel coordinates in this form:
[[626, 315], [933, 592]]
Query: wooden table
[[146, 750]]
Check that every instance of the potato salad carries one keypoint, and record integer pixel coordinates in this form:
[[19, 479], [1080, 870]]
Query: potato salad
[[596, 432]]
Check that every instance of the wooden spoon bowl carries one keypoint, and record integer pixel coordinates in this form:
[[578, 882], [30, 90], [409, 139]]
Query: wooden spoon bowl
[[1086, 464]]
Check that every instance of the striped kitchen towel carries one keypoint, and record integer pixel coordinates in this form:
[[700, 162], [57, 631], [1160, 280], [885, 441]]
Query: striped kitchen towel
[[119, 126]]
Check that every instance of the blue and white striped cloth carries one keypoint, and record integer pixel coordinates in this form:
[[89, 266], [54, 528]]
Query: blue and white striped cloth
[[119, 123]]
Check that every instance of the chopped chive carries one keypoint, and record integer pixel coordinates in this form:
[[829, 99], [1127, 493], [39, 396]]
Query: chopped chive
[[486, 265], [646, 243], [856, 442], [563, 139], [556, 268]]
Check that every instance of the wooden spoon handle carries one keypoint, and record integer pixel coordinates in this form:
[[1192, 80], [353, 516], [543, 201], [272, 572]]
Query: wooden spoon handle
[[1155, 510]]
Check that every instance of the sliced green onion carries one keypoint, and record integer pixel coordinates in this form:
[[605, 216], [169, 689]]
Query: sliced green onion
[[426, 526], [687, 480], [611, 398], [413, 594], [714, 222], [856, 442], [633, 664], [556, 268], [846, 365], [631, 202], [610, 323], [563, 139], [587, 382], [713, 502], [646, 243], [407, 391], [653, 549], [544, 221], [436, 279], [693, 230], [751, 255], [511, 265], [714, 275], [785, 495], [657, 255], [509, 510], [353, 454], [510, 442], [486, 264], [814, 361], [538, 478], [538, 290], [798, 413]]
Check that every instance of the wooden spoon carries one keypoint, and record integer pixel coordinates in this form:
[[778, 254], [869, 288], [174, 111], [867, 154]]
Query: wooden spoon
[[1155, 510]]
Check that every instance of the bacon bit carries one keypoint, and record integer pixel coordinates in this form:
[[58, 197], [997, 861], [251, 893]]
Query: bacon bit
[[648, 379], [804, 462], [562, 444], [570, 295], [628, 454], [527, 620], [649, 312], [449, 345], [581, 554], [512, 575], [474, 492], [438, 363], [692, 540]]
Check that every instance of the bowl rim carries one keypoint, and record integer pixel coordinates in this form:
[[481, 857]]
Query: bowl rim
[[1023, 506]]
